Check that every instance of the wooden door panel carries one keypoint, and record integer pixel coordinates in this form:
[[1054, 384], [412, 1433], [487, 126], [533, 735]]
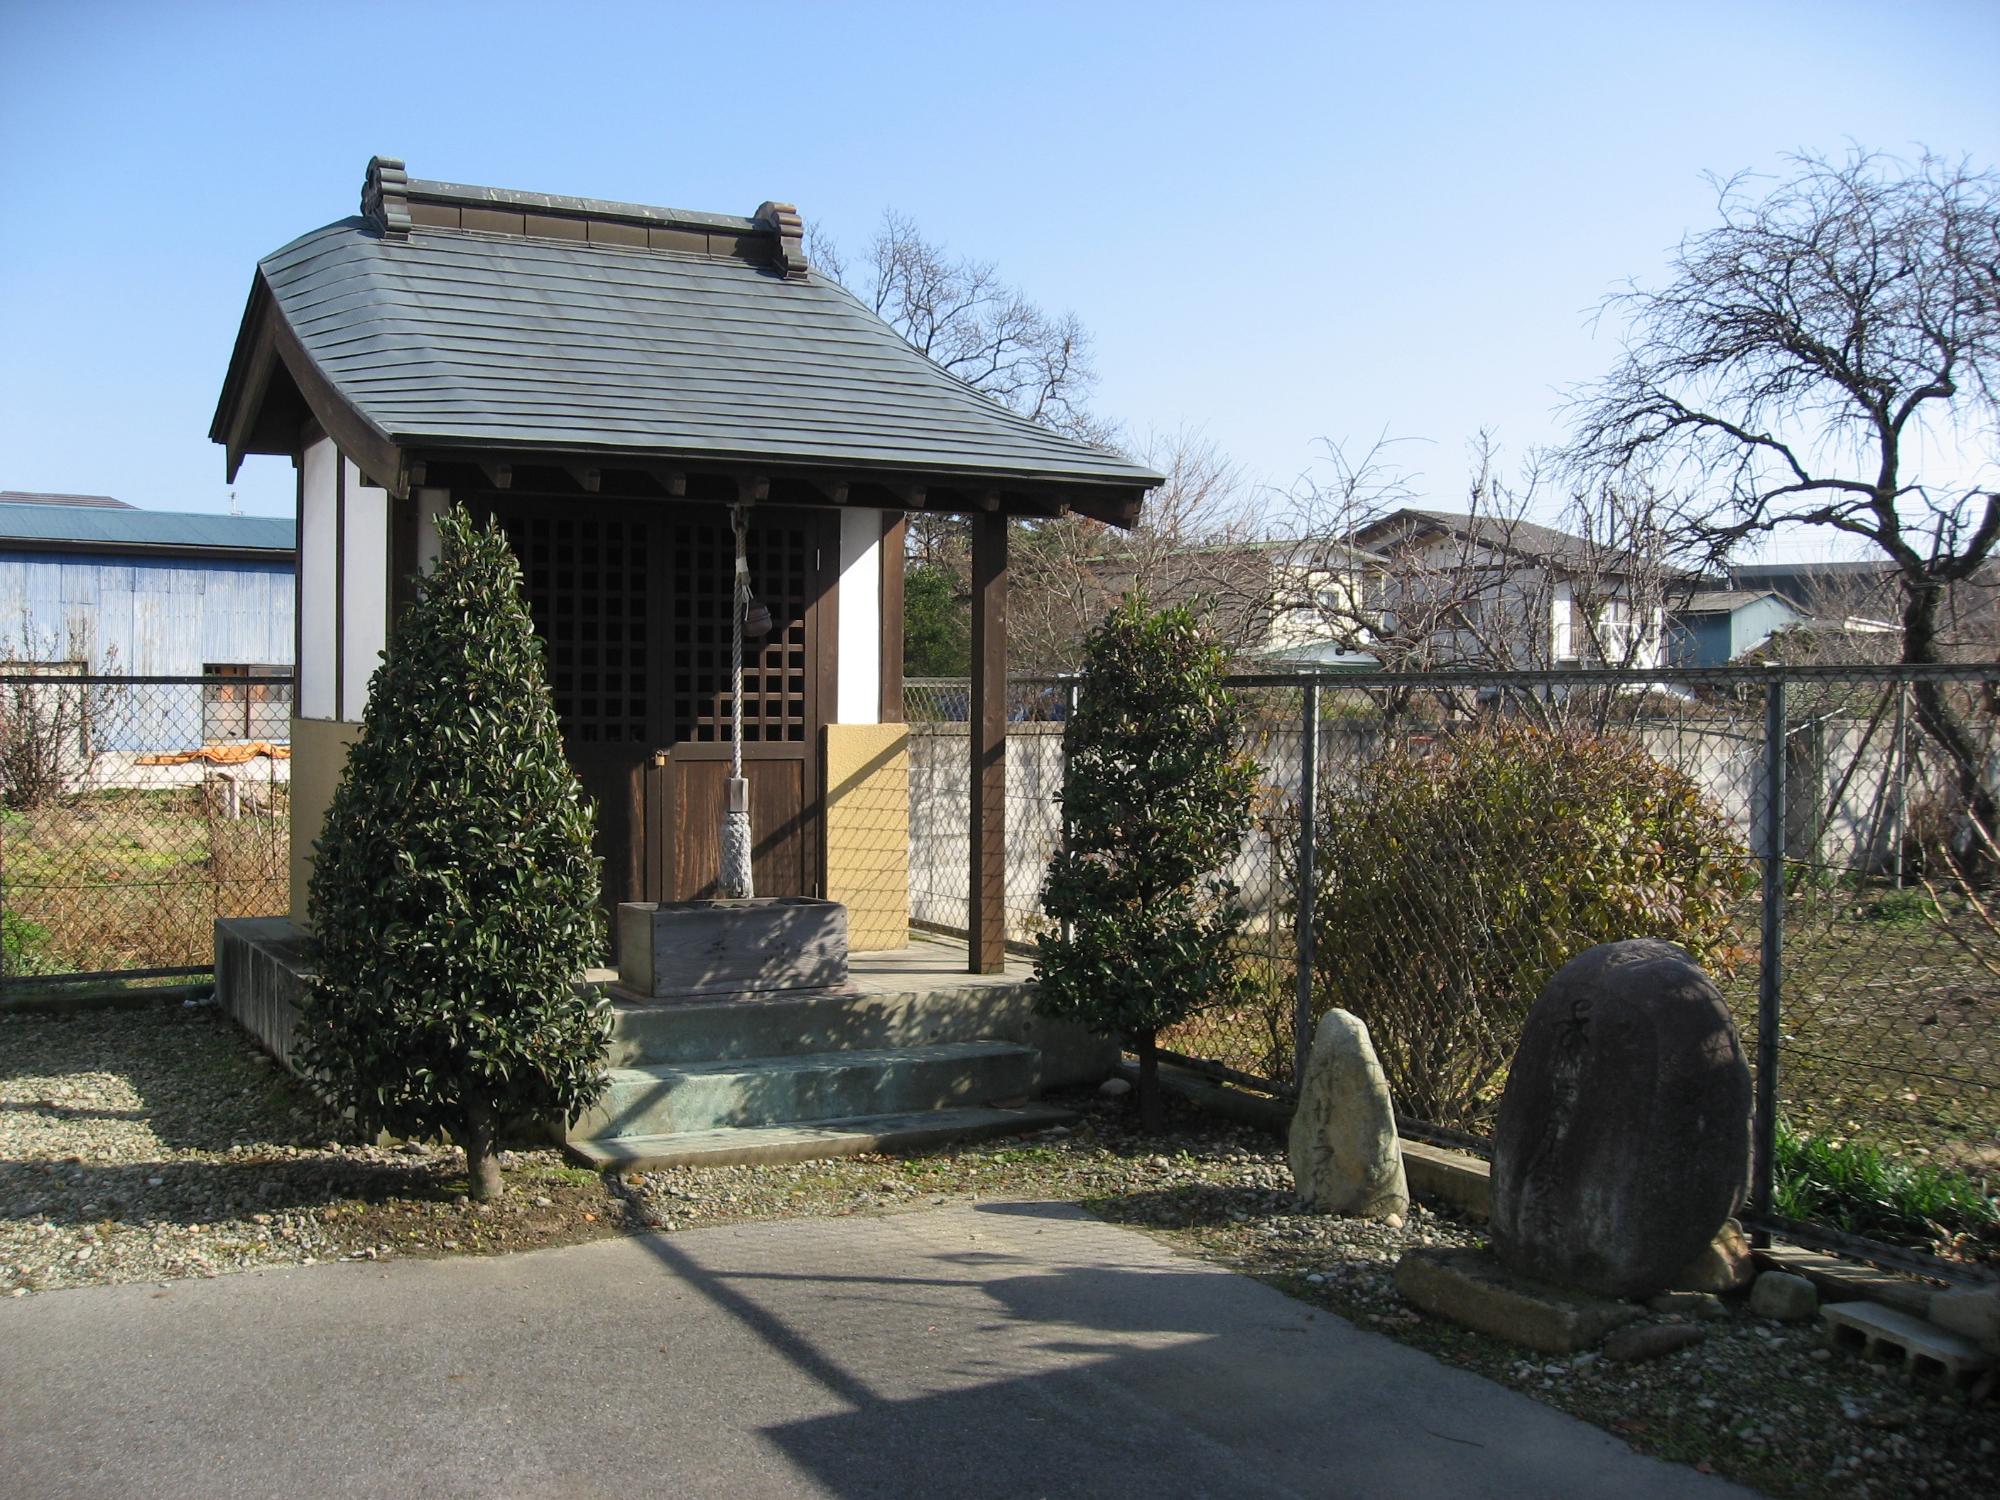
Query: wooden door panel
[[779, 815], [614, 781]]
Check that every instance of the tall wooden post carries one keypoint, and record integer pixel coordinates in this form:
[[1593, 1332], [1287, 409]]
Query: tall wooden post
[[987, 918]]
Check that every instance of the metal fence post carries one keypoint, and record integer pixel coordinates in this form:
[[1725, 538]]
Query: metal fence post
[[1070, 692], [1770, 980], [1902, 774], [1302, 1016]]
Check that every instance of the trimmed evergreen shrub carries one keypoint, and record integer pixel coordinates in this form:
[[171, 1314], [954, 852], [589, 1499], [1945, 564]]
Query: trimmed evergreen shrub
[[455, 892], [1454, 880], [1156, 801]]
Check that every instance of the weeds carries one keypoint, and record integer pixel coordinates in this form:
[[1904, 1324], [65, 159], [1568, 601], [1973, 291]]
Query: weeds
[[1855, 1186]]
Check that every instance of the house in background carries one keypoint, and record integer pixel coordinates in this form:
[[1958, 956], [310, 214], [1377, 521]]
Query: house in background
[[1717, 626], [1468, 590], [1276, 602], [1827, 590], [90, 585]]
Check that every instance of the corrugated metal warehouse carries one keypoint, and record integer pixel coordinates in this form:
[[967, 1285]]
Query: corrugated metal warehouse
[[91, 585]]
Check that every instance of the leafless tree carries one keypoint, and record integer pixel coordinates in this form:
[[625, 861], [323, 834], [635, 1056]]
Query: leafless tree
[[1803, 354], [965, 317], [1193, 545], [48, 721]]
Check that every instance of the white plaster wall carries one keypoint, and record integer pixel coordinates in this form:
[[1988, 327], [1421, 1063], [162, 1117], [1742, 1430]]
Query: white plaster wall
[[858, 689], [317, 688], [365, 610], [430, 503]]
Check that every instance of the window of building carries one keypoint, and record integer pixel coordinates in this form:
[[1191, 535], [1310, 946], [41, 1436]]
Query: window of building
[[249, 705]]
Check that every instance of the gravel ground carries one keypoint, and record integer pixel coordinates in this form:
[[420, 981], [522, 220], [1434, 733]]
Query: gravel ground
[[159, 1144]]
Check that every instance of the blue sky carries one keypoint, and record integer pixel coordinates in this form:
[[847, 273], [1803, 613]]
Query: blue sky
[[1284, 224]]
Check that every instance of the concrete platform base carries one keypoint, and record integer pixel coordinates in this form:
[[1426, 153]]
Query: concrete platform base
[[909, 1052], [888, 1134], [677, 1098], [1472, 1289]]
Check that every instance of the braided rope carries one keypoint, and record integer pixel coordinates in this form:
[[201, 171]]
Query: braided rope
[[736, 880], [740, 596]]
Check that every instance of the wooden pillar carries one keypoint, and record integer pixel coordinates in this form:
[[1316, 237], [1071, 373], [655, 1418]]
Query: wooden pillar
[[987, 917], [895, 536]]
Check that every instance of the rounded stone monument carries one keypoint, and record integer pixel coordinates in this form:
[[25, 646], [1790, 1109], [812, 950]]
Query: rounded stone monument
[[1623, 1141]]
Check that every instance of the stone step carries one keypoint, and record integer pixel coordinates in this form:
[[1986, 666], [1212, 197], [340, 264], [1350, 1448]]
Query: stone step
[[675, 1098], [917, 1131], [835, 1020]]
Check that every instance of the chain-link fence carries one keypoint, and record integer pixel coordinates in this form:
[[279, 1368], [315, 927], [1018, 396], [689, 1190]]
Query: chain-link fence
[[134, 811], [938, 712], [1820, 838]]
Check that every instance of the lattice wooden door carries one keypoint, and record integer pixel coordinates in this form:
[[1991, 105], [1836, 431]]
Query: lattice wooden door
[[633, 602], [784, 701], [589, 578]]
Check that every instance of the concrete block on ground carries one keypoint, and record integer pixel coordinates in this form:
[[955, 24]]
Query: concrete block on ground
[[1922, 1348], [1472, 1289], [1971, 1312], [262, 974], [1457, 1178]]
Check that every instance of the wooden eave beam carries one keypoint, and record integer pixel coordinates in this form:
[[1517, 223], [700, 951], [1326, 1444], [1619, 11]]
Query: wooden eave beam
[[249, 403], [611, 473], [378, 456]]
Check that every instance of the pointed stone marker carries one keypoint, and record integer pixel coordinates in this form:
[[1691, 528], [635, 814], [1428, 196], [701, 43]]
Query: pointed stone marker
[[1345, 1155]]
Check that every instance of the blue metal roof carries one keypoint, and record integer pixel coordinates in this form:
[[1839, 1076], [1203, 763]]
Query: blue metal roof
[[95, 526]]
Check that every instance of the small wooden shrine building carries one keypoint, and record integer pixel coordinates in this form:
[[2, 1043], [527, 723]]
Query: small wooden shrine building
[[606, 379]]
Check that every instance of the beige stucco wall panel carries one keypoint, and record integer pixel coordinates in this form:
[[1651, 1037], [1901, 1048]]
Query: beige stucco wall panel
[[868, 831], [319, 755]]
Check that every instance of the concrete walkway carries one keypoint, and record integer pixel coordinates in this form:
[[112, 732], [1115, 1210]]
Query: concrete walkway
[[997, 1350]]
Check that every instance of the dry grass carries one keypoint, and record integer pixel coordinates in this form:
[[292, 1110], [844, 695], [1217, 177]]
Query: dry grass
[[135, 879]]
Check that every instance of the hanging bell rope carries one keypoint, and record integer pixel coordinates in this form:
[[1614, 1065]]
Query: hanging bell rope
[[735, 880]]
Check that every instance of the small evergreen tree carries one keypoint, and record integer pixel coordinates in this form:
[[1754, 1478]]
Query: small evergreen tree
[[937, 624], [1156, 800], [455, 893]]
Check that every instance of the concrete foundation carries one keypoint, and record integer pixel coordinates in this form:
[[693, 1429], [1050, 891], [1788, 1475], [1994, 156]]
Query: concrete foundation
[[904, 1053], [262, 973], [1472, 1289]]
